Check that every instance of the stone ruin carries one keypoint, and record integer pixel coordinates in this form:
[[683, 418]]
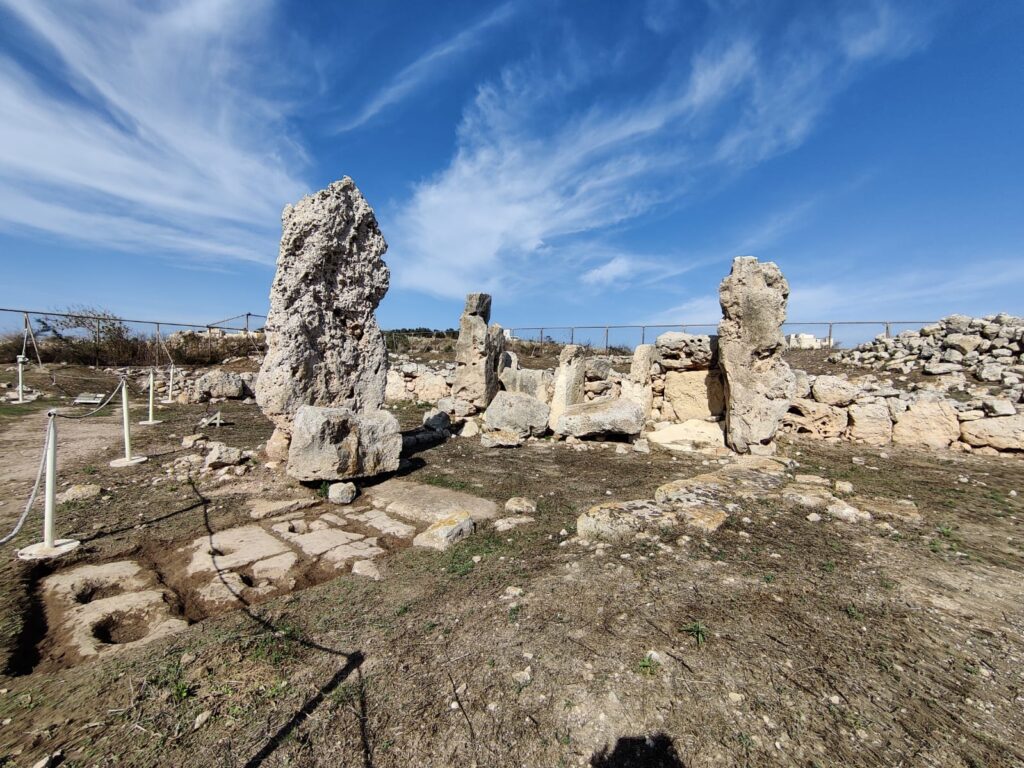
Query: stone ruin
[[477, 353], [323, 380], [758, 383]]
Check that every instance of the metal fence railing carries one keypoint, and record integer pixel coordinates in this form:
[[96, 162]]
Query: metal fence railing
[[104, 339], [608, 337]]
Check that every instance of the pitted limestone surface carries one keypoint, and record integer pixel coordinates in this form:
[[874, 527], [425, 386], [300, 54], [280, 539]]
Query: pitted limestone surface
[[98, 609]]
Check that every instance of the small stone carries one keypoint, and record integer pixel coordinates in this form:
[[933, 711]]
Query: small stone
[[813, 517], [520, 505], [446, 531], [523, 677], [201, 719], [504, 524], [366, 568], [77, 492], [735, 698], [843, 486], [342, 493]]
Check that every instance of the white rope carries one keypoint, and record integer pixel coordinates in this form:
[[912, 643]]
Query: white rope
[[96, 410], [35, 488]]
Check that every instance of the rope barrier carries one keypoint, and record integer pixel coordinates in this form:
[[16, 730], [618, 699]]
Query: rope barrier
[[95, 410], [35, 488]]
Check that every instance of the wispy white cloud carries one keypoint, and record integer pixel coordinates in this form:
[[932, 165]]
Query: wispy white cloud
[[531, 175], [427, 67], [150, 131]]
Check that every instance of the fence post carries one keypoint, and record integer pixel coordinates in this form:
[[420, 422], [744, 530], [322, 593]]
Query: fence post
[[128, 459], [888, 330], [540, 337], [97, 342], [246, 323], [50, 546], [643, 334], [830, 336], [606, 339], [572, 335]]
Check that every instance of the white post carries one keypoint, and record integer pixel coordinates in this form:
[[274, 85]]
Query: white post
[[128, 459], [170, 387], [152, 386], [50, 546], [21, 378], [51, 481], [124, 419]]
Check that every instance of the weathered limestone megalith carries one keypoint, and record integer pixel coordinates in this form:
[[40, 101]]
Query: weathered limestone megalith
[[477, 353], [638, 386], [570, 380], [338, 443], [758, 384], [325, 348]]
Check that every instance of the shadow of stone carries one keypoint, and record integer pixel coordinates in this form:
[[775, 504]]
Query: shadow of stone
[[657, 751]]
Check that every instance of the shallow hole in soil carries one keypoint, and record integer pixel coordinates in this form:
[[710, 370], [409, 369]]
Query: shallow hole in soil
[[120, 628], [90, 592]]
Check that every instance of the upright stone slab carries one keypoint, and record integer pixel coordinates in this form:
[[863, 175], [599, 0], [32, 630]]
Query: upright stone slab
[[324, 346], [638, 386], [570, 379], [477, 353], [758, 384]]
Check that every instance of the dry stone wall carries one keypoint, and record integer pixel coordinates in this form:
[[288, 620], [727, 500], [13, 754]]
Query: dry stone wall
[[990, 349]]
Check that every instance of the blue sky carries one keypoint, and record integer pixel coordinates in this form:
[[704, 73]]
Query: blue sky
[[595, 162]]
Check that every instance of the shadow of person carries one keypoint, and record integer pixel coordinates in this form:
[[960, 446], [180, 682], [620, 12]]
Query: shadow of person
[[655, 751]]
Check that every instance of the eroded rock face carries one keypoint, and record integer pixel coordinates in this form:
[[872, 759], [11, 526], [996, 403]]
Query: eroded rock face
[[608, 416], [1004, 433], [324, 346], [519, 413], [339, 444], [927, 424], [570, 378], [477, 352], [758, 383]]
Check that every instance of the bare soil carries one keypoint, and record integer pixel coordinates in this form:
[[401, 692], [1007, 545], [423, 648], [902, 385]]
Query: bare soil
[[774, 641]]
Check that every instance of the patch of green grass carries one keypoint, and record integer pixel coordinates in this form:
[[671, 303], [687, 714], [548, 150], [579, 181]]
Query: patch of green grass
[[697, 631], [443, 481], [851, 611], [769, 578], [828, 566], [324, 489], [513, 614], [276, 647], [89, 470], [648, 666]]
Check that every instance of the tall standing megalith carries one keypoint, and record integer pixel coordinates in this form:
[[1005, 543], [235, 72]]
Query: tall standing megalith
[[758, 382], [477, 353], [325, 349]]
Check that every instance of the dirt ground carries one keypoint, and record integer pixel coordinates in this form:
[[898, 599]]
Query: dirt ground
[[773, 641]]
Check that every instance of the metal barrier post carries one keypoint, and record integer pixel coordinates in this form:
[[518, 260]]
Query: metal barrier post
[[152, 387], [170, 387], [21, 378], [606, 339], [830, 342], [129, 459], [49, 547]]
